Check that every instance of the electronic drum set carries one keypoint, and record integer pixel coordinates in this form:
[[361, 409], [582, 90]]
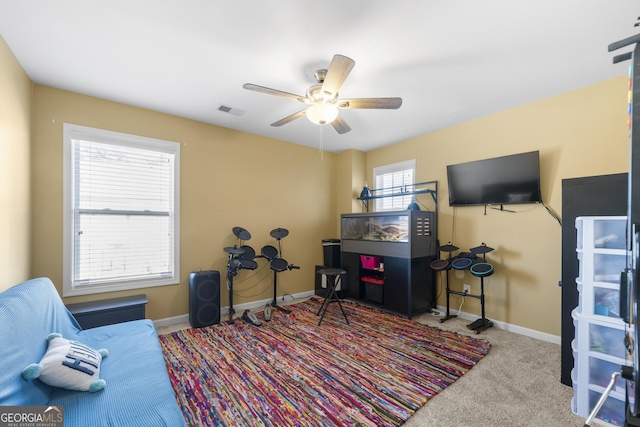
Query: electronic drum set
[[478, 266], [243, 257]]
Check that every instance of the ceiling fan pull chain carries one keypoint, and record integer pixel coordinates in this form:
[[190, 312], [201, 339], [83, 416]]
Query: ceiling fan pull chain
[[321, 142]]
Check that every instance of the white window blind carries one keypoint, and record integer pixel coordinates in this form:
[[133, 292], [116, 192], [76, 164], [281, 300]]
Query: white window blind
[[391, 179], [123, 211]]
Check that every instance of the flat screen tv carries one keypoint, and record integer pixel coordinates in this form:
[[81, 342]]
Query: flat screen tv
[[513, 179]]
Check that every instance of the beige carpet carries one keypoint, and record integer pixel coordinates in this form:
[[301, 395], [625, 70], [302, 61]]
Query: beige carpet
[[516, 384]]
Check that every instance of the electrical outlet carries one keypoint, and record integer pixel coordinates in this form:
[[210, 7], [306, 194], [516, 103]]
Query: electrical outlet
[[466, 289]]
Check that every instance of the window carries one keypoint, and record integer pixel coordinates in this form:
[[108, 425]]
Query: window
[[121, 211], [395, 175]]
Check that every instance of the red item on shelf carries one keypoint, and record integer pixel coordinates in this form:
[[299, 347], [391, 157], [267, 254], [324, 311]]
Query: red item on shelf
[[370, 261], [369, 279]]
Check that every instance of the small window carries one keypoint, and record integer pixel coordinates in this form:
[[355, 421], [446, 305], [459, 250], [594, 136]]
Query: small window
[[121, 211], [396, 175]]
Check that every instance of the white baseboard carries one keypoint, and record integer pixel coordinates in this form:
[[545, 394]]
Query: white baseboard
[[168, 321], [467, 316], [509, 327]]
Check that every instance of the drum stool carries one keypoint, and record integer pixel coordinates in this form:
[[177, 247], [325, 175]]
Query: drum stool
[[333, 277]]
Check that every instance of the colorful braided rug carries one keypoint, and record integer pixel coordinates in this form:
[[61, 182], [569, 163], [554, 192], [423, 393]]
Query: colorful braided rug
[[376, 371]]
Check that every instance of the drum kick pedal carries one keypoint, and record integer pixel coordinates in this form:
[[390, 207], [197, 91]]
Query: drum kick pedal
[[251, 318], [268, 312]]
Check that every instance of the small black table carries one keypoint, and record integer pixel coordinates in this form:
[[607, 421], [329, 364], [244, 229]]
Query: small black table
[[334, 277]]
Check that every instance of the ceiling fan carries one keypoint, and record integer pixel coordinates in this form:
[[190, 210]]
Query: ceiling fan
[[323, 100]]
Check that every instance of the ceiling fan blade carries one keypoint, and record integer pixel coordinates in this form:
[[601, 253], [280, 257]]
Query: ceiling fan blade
[[269, 91], [385, 103], [290, 118], [337, 73], [340, 125]]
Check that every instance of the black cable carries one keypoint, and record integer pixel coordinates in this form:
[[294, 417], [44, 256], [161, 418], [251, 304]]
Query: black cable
[[236, 292], [254, 273], [426, 208], [453, 225], [266, 288], [553, 214], [439, 292]]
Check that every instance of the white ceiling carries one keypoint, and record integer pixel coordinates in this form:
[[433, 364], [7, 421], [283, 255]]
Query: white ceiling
[[451, 61]]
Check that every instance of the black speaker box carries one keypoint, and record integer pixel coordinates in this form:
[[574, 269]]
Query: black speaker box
[[204, 298]]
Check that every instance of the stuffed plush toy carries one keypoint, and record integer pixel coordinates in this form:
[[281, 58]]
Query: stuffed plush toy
[[68, 364]]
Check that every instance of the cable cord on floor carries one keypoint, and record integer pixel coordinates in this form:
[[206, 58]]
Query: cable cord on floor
[[460, 308]]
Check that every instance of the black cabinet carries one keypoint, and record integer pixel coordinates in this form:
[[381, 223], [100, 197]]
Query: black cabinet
[[351, 263], [405, 286], [604, 195], [409, 285], [397, 285]]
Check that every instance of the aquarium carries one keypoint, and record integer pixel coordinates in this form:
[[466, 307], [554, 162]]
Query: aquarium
[[388, 228]]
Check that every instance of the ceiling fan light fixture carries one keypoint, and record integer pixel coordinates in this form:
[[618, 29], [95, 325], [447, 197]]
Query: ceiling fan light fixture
[[322, 99], [321, 114]]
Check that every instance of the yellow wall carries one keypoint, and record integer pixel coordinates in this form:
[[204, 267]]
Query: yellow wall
[[580, 133], [351, 172], [231, 178], [228, 179], [15, 135]]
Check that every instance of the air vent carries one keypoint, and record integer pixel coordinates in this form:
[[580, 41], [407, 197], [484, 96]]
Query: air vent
[[423, 227], [231, 110]]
